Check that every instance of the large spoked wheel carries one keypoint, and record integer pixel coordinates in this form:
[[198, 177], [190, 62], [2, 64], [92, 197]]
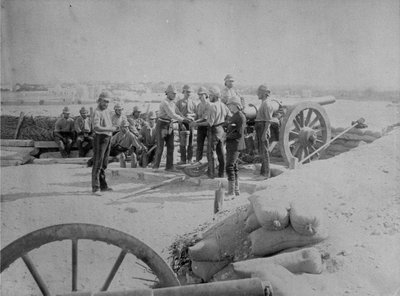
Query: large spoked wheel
[[161, 274], [304, 129]]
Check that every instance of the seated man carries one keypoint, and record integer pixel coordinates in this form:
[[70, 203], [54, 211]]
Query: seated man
[[124, 141], [64, 133], [117, 117], [83, 129], [148, 137]]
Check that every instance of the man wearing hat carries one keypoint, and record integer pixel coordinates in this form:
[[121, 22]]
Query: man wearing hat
[[234, 144], [168, 112], [103, 130], [201, 114], [266, 115], [217, 114], [117, 117], [122, 142], [64, 133], [83, 129], [148, 137], [135, 121], [229, 91], [186, 107]]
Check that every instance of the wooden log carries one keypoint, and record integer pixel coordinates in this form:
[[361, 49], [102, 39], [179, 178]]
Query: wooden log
[[17, 143], [81, 160], [19, 124], [48, 144]]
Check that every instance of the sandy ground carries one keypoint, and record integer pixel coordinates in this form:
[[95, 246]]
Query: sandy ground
[[362, 206]]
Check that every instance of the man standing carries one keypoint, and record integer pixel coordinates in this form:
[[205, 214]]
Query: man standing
[[186, 107], [234, 144], [263, 121], [217, 115], [229, 92], [117, 117], [83, 129], [64, 133], [201, 114], [148, 137], [103, 130], [165, 133], [122, 142]]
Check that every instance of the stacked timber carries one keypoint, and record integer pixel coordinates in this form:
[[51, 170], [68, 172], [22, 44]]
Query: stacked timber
[[17, 152], [38, 128]]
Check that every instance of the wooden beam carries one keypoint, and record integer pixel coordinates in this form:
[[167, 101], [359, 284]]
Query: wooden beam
[[19, 124], [17, 143]]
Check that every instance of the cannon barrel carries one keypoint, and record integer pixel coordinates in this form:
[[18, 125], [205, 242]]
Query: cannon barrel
[[319, 100]]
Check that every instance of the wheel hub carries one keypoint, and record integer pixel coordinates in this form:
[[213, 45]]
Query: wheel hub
[[307, 136]]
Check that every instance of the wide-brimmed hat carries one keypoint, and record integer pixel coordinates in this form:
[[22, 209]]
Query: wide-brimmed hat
[[118, 106], [66, 110], [187, 87], [215, 91], [229, 77], [263, 88], [83, 111], [137, 109], [151, 115], [202, 90], [171, 89], [105, 96]]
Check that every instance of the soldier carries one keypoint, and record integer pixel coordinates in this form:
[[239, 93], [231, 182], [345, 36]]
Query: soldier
[[83, 129], [122, 142], [217, 115], [234, 144], [264, 118], [135, 121], [148, 137], [165, 134], [64, 133], [103, 130], [186, 107], [201, 114], [229, 92], [117, 117]]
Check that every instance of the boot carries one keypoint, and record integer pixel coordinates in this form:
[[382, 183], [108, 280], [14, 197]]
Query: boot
[[134, 161], [122, 162], [231, 188], [236, 188]]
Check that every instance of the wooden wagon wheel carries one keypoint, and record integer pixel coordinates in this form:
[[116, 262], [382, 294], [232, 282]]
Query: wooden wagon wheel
[[304, 129], [77, 231]]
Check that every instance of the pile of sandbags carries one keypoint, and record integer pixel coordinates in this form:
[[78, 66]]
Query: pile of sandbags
[[267, 226]]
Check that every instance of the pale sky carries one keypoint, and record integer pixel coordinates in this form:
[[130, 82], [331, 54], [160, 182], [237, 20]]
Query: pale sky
[[344, 44]]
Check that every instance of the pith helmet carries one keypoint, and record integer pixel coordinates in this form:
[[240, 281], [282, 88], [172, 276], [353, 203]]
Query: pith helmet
[[202, 90], [66, 110], [105, 96], [171, 89], [151, 115], [83, 111], [137, 109], [263, 88], [229, 77], [187, 87], [118, 107], [215, 91]]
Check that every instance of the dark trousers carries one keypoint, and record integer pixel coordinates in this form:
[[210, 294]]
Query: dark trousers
[[201, 136], [263, 149], [186, 151], [232, 155], [64, 142], [216, 137], [165, 136], [117, 150], [84, 144], [101, 151]]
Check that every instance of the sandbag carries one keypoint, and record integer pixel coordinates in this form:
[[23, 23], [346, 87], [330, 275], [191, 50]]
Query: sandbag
[[271, 214], [251, 223], [306, 260], [227, 240], [205, 270], [305, 219], [265, 242]]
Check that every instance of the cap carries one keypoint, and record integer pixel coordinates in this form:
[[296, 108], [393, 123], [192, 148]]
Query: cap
[[105, 96], [136, 109], [187, 87], [124, 122], [83, 111], [170, 89], [263, 88], [202, 90], [117, 106], [215, 91], [151, 115], [229, 77], [66, 110]]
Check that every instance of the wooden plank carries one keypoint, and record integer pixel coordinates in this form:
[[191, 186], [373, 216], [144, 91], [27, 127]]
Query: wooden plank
[[45, 144], [81, 160], [17, 143], [19, 124]]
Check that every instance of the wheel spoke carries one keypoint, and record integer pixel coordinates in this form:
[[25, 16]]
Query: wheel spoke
[[292, 142], [308, 117], [314, 121], [114, 270], [74, 264], [295, 149], [300, 153], [319, 141], [294, 133], [306, 153], [314, 149], [301, 118], [34, 272], [296, 124]]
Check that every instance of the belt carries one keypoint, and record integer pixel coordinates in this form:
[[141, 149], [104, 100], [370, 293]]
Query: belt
[[164, 120], [215, 125]]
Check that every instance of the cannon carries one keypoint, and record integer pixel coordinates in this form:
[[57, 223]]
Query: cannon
[[163, 280], [303, 128]]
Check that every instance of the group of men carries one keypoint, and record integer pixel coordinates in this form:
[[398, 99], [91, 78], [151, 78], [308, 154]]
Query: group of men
[[217, 115]]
